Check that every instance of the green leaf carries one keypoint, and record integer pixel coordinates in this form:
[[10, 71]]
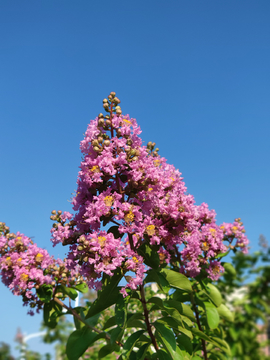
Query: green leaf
[[211, 315], [131, 342], [45, 293], [83, 288], [121, 311], [70, 292], [78, 342], [225, 313], [114, 230], [223, 345], [180, 295], [167, 338], [135, 323], [161, 355], [142, 351], [183, 309], [177, 280], [107, 349], [175, 324], [151, 257], [116, 334], [108, 294], [214, 295], [184, 341], [109, 323], [156, 300], [201, 334], [229, 269], [51, 313], [157, 277]]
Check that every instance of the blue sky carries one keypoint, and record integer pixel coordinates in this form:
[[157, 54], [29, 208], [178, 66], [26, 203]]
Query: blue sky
[[195, 75]]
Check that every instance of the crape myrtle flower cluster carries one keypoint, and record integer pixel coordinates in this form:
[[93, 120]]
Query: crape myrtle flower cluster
[[25, 268], [128, 185]]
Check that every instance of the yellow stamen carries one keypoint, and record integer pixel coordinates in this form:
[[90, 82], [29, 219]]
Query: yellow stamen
[[150, 189], [216, 269], [162, 257], [129, 217], [108, 200], [156, 162], [127, 121], [234, 228], [213, 231], [24, 277], [95, 169], [135, 259], [150, 230], [39, 257], [205, 246], [102, 241]]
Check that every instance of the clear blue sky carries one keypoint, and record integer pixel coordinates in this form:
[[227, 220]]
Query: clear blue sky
[[195, 74]]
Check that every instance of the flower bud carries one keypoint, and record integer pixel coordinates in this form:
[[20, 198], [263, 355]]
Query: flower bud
[[54, 212], [100, 122], [100, 139], [96, 148], [116, 100], [80, 248], [94, 142], [107, 142], [113, 94], [59, 212], [100, 116], [129, 142], [108, 122], [105, 101]]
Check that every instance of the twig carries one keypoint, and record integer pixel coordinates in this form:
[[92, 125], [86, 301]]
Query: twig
[[146, 312]]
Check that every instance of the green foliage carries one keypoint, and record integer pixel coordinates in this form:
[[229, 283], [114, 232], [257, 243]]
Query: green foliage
[[186, 316]]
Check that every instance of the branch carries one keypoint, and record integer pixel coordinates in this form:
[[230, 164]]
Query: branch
[[148, 325], [74, 313], [199, 326]]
